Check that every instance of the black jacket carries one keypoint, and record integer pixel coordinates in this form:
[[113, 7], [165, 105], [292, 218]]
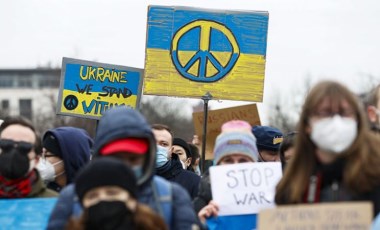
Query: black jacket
[[173, 171], [204, 195]]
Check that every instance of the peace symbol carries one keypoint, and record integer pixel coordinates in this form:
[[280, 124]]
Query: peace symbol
[[204, 56], [70, 102]]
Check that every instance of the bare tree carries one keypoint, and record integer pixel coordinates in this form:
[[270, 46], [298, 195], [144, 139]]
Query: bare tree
[[173, 112]]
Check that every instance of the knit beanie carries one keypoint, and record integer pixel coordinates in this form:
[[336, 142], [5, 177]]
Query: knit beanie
[[105, 171], [184, 145], [51, 144], [235, 138]]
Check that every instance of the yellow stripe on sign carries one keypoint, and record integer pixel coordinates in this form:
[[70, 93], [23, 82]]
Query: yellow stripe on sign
[[244, 82], [93, 104]]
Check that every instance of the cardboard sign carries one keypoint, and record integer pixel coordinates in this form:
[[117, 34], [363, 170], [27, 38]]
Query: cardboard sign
[[192, 51], [28, 214], [336, 216], [87, 89], [244, 188], [216, 118]]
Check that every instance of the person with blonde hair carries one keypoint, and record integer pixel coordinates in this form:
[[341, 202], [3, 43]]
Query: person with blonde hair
[[336, 156]]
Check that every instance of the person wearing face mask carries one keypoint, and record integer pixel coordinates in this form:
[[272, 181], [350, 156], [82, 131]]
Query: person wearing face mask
[[234, 145], [124, 134], [182, 149], [107, 190], [372, 105], [65, 151], [336, 156], [174, 169], [20, 148]]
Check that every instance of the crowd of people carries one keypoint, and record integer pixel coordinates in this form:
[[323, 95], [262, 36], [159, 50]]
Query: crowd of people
[[136, 175]]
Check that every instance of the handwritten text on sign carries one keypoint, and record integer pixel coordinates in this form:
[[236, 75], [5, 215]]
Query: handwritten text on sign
[[336, 216], [90, 88], [244, 188]]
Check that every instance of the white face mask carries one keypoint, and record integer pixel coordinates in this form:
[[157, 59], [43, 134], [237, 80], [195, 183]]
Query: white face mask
[[47, 170], [334, 134], [183, 164]]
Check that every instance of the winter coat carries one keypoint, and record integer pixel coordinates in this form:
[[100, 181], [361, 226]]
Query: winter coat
[[329, 187], [174, 172], [39, 189], [204, 195], [118, 123]]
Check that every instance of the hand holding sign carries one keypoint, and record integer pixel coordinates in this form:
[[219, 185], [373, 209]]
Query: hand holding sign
[[244, 188]]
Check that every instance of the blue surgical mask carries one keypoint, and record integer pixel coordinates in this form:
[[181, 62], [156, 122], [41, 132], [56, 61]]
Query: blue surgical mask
[[161, 156], [137, 170]]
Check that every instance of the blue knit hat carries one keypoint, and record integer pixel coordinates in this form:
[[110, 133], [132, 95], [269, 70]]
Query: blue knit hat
[[235, 142], [268, 138]]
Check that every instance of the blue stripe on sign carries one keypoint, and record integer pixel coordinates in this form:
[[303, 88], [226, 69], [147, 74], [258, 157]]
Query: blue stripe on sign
[[249, 28]]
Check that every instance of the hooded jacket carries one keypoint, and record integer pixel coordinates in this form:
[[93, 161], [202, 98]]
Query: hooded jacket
[[117, 123], [75, 145]]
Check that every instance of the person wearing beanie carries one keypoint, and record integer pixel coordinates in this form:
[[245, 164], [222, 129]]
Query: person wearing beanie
[[182, 149], [65, 151], [124, 134], [269, 140], [235, 144], [107, 190]]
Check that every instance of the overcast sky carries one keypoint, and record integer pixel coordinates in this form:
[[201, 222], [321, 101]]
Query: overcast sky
[[337, 39]]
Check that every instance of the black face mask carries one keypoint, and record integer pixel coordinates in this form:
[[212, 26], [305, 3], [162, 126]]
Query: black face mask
[[14, 164], [109, 215]]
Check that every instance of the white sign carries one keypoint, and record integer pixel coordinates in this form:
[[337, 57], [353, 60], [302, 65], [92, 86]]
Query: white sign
[[244, 188]]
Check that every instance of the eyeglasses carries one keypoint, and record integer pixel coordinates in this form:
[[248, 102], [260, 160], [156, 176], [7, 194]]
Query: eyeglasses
[[22, 146], [45, 154]]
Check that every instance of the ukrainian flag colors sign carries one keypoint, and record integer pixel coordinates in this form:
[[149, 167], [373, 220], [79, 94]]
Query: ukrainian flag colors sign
[[192, 51], [89, 88]]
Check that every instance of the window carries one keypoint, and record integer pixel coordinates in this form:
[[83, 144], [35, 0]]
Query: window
[[6, 82], [26, 108]]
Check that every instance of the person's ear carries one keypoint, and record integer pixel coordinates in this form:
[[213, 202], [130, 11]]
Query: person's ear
[[188, 161], [372, 115]]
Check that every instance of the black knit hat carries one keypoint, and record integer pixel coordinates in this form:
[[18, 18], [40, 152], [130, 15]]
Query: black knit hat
[[105, 171], [51, 144], [184, 145]]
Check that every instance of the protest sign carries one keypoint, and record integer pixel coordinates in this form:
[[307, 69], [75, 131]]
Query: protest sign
[[193, 51], [216, 118], [337, 216], [244, 188], [28, 214], [87, 89]]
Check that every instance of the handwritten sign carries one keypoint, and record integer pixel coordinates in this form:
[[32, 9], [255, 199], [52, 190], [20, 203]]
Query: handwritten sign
[[28, 214], [244, 188], [216, 118], [335, 216], [192, 51], [89, 88]]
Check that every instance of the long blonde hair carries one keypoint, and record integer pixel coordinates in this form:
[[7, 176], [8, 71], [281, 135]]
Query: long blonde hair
[[362, 168]]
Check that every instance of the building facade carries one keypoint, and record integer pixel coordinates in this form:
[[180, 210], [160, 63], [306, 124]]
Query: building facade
[[28, 92]]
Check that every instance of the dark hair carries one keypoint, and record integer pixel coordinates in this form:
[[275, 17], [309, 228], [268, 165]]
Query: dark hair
[[194, 152], [287, 143], [19, 120]]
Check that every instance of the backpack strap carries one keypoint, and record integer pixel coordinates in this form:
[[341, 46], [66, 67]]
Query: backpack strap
[[162, 191]]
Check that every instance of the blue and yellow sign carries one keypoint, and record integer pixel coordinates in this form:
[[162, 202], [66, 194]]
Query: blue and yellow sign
[[191, 51], [89, 88]]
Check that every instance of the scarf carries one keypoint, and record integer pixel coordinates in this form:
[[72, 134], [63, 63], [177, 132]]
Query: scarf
[[17, 188]]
